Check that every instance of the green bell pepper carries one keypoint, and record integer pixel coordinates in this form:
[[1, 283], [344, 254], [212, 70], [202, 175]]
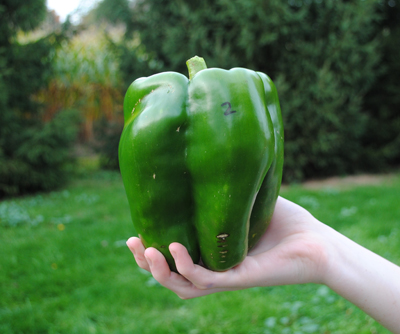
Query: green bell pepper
[[201, 160]]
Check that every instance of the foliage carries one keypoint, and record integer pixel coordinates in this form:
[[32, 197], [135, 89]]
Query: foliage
[[86, 78], [323, 56], [40, 157], [382, 102], [134, 58], [65, 268], [107, 135], [115, 11], [33, 154], [15, 14]]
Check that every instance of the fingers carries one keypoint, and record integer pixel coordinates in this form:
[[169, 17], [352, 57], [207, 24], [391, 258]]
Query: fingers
[[199, 276], [162, 274], [158, 265], [192, 280], [204, 280], [153, 261], [136, 247]]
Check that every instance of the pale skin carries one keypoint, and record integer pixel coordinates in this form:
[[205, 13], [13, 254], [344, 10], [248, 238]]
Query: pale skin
[[296, 249]]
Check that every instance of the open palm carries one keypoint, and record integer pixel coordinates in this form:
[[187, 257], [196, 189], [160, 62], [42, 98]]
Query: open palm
[[290, 252]]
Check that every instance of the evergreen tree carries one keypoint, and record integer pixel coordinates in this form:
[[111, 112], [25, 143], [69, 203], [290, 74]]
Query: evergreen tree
[[323, 56], [382, 102], [32, 154]]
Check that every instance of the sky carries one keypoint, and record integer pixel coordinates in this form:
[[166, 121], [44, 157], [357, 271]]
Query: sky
[[73, 7]]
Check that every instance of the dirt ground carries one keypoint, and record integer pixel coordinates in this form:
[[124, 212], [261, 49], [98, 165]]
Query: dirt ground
[[340, 182]]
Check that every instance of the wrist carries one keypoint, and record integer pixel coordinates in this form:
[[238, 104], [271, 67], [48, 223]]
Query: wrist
[[327, 253], [342, 258]]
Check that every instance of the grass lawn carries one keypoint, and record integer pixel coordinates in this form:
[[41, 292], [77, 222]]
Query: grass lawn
[[64, 267]]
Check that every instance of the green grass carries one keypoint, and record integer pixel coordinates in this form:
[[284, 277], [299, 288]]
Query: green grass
[[64, 268]]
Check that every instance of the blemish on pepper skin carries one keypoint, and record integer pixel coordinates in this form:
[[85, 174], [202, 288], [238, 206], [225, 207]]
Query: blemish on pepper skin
[[170, 89], [224, 245], [223, 252], [254, 235], [163, 246], [222, 235], [154, 176], [138, 101], [177, 130]]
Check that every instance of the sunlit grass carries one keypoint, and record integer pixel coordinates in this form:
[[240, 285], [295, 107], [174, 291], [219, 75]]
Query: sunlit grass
[[64, 268]]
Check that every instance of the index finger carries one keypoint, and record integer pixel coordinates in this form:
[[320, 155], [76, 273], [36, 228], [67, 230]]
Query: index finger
[[200, 277], [179, 283]]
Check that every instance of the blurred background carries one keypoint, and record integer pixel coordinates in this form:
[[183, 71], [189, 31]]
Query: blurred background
[[64, 70], [335, 64]]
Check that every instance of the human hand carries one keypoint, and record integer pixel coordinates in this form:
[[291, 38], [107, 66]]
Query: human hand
[[296, 248], [293, 250]]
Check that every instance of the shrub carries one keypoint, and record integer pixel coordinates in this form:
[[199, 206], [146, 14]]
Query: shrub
[[33, 153], [107, 141], [86, 78], [41, 157], [381, 140], [322, 55]]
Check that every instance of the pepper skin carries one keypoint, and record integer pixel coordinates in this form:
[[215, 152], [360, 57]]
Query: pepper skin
[[201, 161]]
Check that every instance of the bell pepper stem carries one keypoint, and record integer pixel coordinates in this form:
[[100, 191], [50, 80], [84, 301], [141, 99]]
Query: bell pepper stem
[[195, 65]]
